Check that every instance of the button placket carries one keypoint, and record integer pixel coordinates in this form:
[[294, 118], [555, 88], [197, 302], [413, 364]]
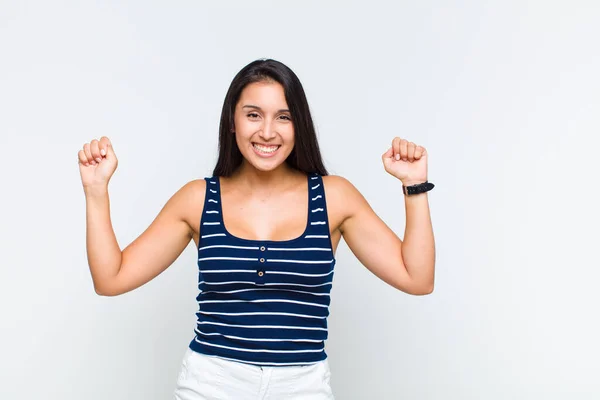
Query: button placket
[[261, 271]]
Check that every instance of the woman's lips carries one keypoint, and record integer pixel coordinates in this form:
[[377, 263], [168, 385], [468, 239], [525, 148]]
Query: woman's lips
[[265, 151]]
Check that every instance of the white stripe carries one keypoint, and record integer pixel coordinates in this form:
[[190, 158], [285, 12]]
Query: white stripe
[[314, 177], [314, 187], [213, 191], [211, 223], [316, 237], [227, 258], [296, 273], [256, 350], [212, 201], [225, 283], [267, 300], [317, 210], [228, 247], [318, 197], [212, 182], [297, 284], [250, 290], [318, 223], [266, 284], [257, 340], [262, 313], [300, 249], [300, 261], [212, 212], [213, 235], [305, 328]]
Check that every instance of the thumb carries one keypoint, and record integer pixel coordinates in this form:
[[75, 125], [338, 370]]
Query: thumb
[[110, 153], [388, 154]]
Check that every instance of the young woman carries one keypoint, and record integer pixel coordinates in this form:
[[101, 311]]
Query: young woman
[[266, 225]]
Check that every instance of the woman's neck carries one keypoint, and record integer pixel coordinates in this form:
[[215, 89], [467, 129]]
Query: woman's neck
[[266, 181]]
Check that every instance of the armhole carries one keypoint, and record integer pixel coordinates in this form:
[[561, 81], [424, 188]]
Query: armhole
[[203, 213], [326, 217]]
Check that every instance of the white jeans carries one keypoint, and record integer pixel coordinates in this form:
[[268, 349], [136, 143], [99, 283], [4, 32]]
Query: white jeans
[[205, 377]]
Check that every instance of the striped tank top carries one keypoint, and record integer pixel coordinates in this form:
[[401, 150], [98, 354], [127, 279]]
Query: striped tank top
[[264, 302]]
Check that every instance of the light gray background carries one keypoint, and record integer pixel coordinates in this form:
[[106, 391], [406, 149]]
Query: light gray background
[[504, 95]]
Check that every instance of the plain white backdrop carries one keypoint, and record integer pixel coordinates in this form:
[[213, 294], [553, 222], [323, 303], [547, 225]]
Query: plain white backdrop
[[505, 95]]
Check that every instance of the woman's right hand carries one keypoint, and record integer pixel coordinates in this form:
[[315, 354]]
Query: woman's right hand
[[97, 163]]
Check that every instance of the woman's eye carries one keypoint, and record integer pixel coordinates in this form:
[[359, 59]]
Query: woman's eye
[[286, 117], [253, 115]]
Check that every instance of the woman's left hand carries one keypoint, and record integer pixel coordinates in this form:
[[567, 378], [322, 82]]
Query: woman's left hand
[[406, 161]]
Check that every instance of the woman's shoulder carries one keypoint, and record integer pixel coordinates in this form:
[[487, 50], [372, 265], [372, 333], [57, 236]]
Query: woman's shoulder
[[194, 188], [188, 202], [190, 195], [341, 194], [338, 185]]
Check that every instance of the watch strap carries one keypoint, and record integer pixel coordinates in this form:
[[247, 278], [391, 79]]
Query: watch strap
[[418, 188]]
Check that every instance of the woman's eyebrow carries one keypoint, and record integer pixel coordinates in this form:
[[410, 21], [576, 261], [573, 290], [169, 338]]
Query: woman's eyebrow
[[258, 108]]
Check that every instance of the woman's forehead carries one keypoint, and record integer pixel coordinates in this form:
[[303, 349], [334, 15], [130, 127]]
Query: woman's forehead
[[263, 95]]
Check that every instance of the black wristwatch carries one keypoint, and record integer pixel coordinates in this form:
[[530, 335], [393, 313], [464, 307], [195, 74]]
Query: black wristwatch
[[418, 188]]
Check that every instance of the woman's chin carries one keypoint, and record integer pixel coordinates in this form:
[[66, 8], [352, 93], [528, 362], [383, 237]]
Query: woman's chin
[[266, 166]]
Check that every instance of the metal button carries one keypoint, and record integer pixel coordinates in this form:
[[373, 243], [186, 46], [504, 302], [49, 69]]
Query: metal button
[[262, 260], [260, 273], [262, 248]]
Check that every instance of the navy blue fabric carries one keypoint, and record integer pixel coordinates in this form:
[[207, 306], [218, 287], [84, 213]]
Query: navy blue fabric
[[264, 302]]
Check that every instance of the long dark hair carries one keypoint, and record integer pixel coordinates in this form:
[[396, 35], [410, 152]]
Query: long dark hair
[[305, 155]]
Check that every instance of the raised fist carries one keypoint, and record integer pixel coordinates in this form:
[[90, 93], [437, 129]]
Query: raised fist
[[406, 161], [97, 163]]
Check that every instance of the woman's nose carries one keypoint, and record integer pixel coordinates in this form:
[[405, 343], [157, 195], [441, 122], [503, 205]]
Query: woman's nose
[[268, 132]]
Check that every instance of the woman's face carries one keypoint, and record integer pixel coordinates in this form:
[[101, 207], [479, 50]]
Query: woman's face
[[263, 125]]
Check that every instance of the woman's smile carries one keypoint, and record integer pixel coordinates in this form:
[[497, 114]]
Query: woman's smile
[[263, 150]]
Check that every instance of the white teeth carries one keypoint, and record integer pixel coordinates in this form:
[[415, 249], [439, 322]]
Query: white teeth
[[265, 149]]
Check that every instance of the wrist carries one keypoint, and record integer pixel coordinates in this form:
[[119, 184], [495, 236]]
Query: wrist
[[95, 191], [409, 188]]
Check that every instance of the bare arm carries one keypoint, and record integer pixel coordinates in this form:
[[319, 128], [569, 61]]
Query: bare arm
[[115, 272], [103, 252], [408, 265], [418, 248]]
